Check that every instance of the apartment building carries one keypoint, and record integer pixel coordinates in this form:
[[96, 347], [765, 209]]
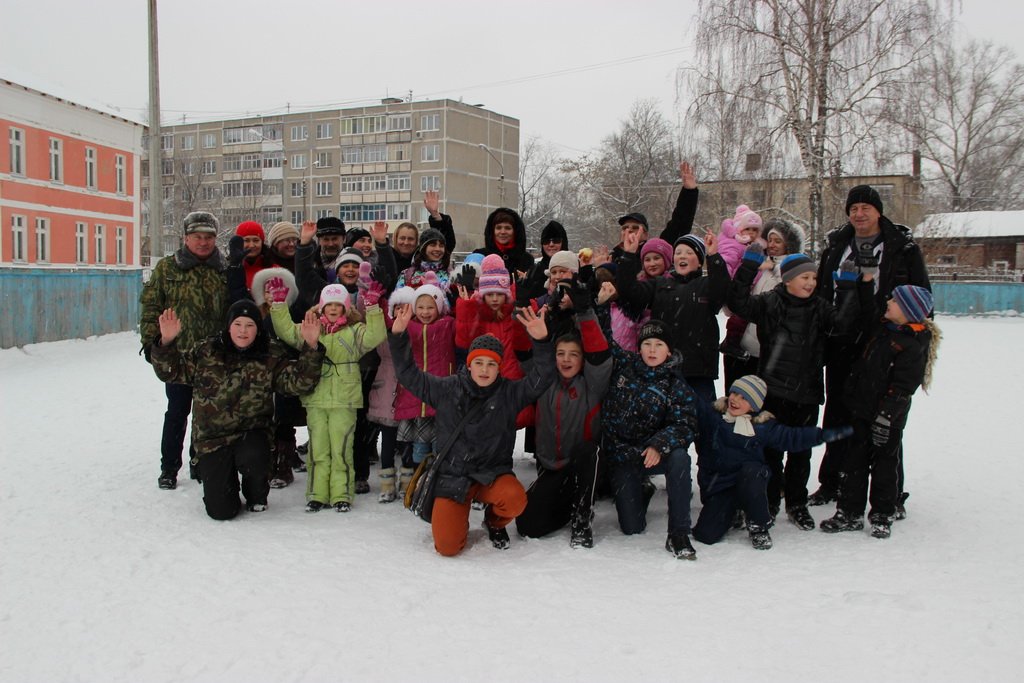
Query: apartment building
[[361, 164], [69, 194]]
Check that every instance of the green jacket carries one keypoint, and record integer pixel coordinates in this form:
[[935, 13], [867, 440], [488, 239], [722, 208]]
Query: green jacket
[[340, 382], [233, 391], [196, 290]]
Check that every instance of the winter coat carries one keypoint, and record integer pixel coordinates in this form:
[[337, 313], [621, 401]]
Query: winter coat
[[413, 275], [483, 448], [679, 223], [474, 318], [517, 258], [433, 351], [341, 380], [536, 280], [889, 370], [232, 390], [764, 282], [791, 333], [310, 273], [646, 407], [617, 323], [723, 452], [384, 390], [445, 226], [196, 290], [569, 412], [253, 266], [688, 304]]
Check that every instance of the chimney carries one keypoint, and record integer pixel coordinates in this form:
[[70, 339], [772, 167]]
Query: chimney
[[915, 168]]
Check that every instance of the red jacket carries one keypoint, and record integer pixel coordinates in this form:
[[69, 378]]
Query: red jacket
[[433, 351], [474, 318]]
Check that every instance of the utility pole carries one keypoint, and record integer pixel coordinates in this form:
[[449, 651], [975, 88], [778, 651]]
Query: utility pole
[[501, 178], [156, 190]]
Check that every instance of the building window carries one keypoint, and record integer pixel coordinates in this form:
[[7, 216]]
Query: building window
[[399, 183], [946, 259], [243, 188], [209, 193], [398, 212], [758, 197], [299, 133], [298, 161], [167, 167], [16, 140], [166, 141], [323, 131], [42, 240], [323, 159], [273, 159], [90, 168], [364, 212], [209, 140], [364, 124], [210, 167], [271, 215], [232, 162], [400, 122], [790, 197], [18, 238], [753, 163], [324, 188], [232, 136], [431, 153], [430, 183], [120, 245], [81, 256], [323, 213], [297, 217], [145, 194], [430, 122], [99, 244], [299, 188], [398, 152], [188, 142], [119, 176], [887, 193], [56, 160], [168, 192]]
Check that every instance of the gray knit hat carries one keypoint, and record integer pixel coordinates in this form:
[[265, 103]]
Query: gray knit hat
[[486, 345], [201, 222], [753, 389]]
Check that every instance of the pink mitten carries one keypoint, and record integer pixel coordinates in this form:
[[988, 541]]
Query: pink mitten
[[277, 289]]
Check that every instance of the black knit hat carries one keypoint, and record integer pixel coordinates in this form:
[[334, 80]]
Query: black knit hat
[[863, 194], [245, 308], [329, 225], [655, 329], [430, 235], [554, 231], [696, 244], [355, 234]]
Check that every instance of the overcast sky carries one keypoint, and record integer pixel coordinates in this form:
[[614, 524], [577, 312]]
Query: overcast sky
[[568, 70]]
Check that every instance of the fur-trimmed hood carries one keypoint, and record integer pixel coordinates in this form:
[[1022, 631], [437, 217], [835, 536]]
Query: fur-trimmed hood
[[792, 234], [760, 418]]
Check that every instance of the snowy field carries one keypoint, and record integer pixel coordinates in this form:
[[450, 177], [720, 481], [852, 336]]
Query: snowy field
[[103, 577]]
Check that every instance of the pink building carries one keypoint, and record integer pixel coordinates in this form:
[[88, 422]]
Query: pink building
[[69, 183]]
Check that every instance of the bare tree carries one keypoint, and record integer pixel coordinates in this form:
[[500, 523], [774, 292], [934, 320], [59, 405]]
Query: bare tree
[[818, 68], [965, 113], [538, 172]]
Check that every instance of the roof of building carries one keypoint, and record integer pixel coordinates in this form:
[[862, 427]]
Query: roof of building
[[972, 224], [61, 92]]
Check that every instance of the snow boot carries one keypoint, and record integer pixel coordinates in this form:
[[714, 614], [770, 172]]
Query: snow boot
[[842, 521], [901, 506], [387, 486], [881, 525], [342, 506], [739, 520], [281, 471], [759, 537], [315, 506], [256, 507], [404, 477], [168, 481], [801, 517], [362, 486], [299, 459], [581, 532], [822, 496], [679, 545], [499, 537]]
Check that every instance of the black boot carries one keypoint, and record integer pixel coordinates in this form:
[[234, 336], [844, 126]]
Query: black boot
[[679, 545], [499, 537], [168, 481], [581, 532]]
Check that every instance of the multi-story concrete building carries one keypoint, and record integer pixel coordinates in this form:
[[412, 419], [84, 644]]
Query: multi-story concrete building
[[69, 194], [361, 164]]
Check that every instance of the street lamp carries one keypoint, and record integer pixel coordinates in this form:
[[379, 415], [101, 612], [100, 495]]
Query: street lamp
[[501, 178]]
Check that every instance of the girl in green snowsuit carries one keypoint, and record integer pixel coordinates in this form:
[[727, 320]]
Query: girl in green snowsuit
[[331, 408]]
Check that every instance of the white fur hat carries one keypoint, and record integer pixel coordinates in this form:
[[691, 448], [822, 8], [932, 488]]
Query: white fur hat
[[259, 282]]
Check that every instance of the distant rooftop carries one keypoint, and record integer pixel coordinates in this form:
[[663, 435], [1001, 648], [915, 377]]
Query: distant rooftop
[[972, 224], [60, 91]]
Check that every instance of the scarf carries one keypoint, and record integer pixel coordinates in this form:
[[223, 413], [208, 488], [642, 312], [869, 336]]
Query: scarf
[[744, 425], [331, 328]]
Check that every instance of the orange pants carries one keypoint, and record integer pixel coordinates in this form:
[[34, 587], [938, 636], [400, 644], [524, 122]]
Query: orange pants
[[505, 498]]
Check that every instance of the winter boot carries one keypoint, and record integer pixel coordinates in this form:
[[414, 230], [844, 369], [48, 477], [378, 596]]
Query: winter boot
[[499, 537], [281, 471], [315, 506], [299, 459], [581, 532], [739, 520], [362, 486], [901, 506], [404, 477], [822, 496], [801, 517], [679, 545], [342, 506], [881, 525], [256, 507], [759, 537], [168, 481], [387, 486], [842, 521]]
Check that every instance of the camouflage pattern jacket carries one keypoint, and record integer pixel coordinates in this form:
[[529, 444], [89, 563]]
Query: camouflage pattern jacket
[[196, 290], [233, 391]]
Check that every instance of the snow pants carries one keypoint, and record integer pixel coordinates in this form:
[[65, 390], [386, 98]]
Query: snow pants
[[172, 440], [631, 504], [837, 372], [556, 495], [798, 463], [449, 523], [249, 457], [883, 463], [331, 477], [750, 494]]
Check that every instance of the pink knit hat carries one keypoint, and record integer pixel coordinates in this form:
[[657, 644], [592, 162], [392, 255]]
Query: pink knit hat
[[494, 277], [660, 247]]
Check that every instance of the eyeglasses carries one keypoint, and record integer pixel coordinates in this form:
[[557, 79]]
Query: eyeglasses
[[551, 240], [288, 240]]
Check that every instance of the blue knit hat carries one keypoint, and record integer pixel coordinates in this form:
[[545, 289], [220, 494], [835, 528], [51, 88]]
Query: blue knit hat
[[695, 243], [753, 389], [796, 264], [915, 302]]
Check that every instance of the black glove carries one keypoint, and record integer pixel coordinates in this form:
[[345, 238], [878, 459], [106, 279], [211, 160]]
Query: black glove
[[466, 278], [554, 302], [236, 251], [881, 428], [523, 292], [836, 434], [381, 275], [580, 296]]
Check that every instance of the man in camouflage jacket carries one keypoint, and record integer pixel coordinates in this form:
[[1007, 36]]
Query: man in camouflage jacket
[[192, 281]]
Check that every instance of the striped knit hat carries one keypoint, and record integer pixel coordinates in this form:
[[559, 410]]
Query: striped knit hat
[[796, 264], [915, 302], [753, 389], [695, 243]]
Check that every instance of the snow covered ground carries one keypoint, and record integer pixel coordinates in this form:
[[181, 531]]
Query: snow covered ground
[[103, 577]]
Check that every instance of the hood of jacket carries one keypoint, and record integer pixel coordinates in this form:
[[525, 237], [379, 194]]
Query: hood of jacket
[[517, 224]]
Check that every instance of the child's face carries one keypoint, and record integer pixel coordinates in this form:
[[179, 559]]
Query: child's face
[[426, 309], [802, 286], [494, 300], [686, 260], [365, 245], [558, 274], [894, 314], [333, 311], [483, 371], [348, 273], [243, 332], [654, 265], [654, 352], [569, 358], [748, 235], [737, 405], [434, 251]]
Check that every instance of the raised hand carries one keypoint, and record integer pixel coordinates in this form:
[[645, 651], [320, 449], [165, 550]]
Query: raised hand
[[600, 256], [277, 289], [534, 324], [307, 232], [607, 292], [631, 242], [464, 293], [579, 293], [170, 326], [403, 314], [310, 329], [687, 175], [379, 232], [236, 251], [431, 202], [710, 242]]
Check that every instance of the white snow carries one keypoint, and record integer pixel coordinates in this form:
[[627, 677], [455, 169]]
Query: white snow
[[972, 224], [106, 578]]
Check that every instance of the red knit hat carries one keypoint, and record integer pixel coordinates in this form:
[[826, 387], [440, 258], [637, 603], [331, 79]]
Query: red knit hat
[[250, 229]]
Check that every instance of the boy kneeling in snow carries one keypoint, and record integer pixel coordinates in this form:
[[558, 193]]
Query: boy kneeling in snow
[[478, 465], [732, 472]]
